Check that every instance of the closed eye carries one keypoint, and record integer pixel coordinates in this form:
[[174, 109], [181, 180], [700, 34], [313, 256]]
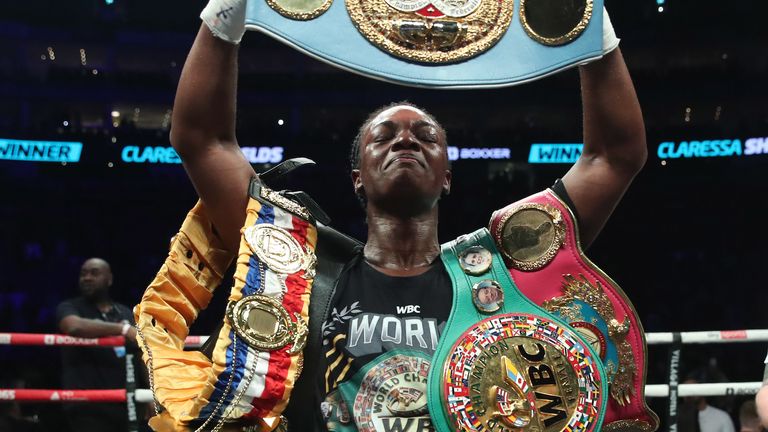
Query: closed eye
[[383, 132], [428, 136], [382, 137], [426, 131]]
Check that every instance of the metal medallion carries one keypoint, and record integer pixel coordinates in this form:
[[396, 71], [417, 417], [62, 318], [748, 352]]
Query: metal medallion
[[475, 260], [276, 248], [579, 297], [488, 296], [300, 9], [432, 31], [521, 372], [555, 22], [265, 325], [530, 235]]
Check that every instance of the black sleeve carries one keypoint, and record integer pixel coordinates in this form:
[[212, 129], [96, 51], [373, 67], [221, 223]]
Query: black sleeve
[[559, 189], [65, 309]]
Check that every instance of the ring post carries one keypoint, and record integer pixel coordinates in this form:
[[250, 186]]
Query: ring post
[[673, 380], [130, 391]]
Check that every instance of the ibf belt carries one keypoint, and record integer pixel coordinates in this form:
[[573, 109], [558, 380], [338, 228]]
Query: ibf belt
[[504, 363], [258, 352], [538, 238], [438, 43]]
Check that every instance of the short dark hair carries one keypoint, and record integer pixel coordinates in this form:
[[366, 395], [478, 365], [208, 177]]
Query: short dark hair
[[354, 152], [748, 410]]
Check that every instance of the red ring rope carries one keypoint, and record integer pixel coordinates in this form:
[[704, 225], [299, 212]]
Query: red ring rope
[[58, 339], [39, 395], [48, 339]]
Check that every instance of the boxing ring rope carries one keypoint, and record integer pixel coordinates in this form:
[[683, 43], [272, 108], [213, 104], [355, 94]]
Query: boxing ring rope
[[145, 395], [130, 395], [43, 395], [707, 337]]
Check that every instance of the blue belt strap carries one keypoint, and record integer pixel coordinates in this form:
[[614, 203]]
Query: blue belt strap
[[515, 59]]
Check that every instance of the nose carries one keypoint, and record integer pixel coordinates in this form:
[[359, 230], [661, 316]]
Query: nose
[[405, 141]]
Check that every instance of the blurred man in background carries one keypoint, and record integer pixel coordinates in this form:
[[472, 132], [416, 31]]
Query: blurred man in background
[[710, 419], [94, 314]]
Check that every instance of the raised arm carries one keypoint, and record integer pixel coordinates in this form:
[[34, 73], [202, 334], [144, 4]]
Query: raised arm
[[614, 143], [203, 123]]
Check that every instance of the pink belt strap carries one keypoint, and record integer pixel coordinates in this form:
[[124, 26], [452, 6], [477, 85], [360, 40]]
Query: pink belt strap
[[539, 239]]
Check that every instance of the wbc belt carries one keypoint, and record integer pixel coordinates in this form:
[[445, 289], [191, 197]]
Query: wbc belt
[[257, 357], [504, 363], [539, 240], [438, 43]]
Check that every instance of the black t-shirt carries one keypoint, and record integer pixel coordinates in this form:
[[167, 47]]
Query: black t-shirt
[[93, 368], [377, 345]]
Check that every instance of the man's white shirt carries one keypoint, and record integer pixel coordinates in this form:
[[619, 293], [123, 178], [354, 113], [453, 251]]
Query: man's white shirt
[[713, 419]]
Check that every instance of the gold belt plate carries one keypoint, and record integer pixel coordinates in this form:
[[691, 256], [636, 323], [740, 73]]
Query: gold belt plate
[[521, 372], [264, 324], [432, 31], [277, 248]]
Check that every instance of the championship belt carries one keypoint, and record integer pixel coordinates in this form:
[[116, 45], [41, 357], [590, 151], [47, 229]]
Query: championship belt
[[438, 43], [257, 357], [538, 238], [504, 363]]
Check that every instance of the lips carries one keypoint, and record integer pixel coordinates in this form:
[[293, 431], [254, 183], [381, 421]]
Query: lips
[[404, 159]]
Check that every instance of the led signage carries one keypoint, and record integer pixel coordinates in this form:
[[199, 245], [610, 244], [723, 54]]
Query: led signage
[[167, 155], [756, 146], [455, 153], [263, 154], [699, 149], [555, 153], [569, 153], [40, 151], [152, 155]]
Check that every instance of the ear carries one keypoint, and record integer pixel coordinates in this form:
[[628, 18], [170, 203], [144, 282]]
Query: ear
[[357, 181], [447, 183]]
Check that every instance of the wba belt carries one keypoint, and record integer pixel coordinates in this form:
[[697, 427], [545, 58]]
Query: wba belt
[[503, 362], [438, 43], [257, 356]]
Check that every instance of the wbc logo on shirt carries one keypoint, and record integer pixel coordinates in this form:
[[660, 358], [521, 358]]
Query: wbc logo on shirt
[[408, 309]]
